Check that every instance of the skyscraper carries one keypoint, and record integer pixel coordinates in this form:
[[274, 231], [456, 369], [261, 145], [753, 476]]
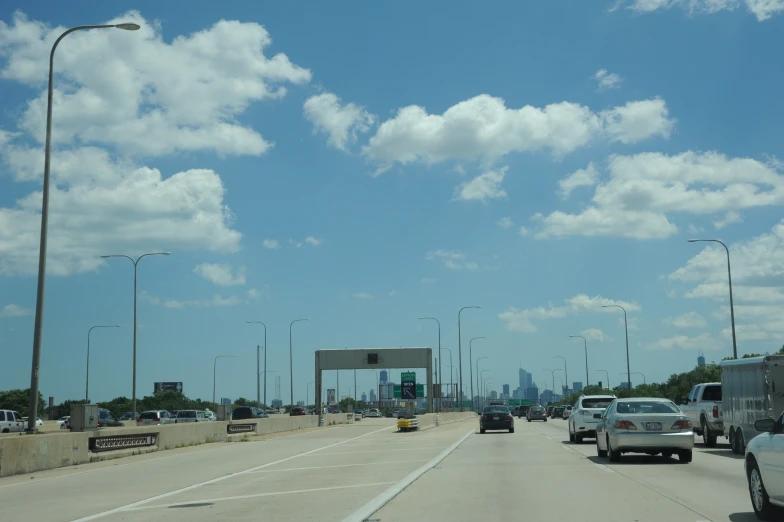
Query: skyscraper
[[506, 389], [383, 376], [577, 386], [701, 360], [526, 379], [372, 395]]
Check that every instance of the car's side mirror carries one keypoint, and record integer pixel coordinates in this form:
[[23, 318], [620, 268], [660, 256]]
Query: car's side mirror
[[765, 425], [597, 415]]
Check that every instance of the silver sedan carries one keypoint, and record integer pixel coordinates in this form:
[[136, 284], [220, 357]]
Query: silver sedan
[[644, 425]]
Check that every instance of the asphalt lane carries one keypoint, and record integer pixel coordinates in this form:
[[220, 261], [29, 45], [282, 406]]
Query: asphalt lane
[[536, 474]]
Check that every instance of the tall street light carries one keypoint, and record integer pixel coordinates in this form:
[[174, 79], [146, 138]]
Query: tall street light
[[258, 371], [87, 375], [307, 391], [626, 328], [451, 380], [460, 357], [479, 390], [553, 372], [477, 372], [566, 375], [608, 378], [214, 369], [451, 385], [135, 266], [586, 357], [291, 360], [440, 377], [470, 358], [39, 300], [729, 277], [637, 373]]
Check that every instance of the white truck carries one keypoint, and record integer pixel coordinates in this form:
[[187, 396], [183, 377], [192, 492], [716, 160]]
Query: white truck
[[704, 410], [752, 389]]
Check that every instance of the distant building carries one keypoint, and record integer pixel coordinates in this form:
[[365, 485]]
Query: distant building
[[373, 396], [626, 385], [577, 386], [277, 403], [546, 397], [225, 401], [701, 361], [506, 389], [300, 403], [493, 395], [383, 376], [532, 393], [526, 379], [363, 398]]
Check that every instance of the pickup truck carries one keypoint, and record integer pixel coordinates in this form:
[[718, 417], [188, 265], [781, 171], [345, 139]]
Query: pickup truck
[[703, 408]]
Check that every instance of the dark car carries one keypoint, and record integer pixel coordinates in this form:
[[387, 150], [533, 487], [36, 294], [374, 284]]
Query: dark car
[[496, 417], [558, 412], [536, 413], [243, 413], [298, 410], [523, 410], [550, 411], [106, 419]]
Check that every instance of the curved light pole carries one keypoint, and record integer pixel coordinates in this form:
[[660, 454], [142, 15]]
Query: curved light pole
[[562, 386], [637, 373], [451, 380], [214, 368], [87, 375], [480, 389], [553, 372], [470, 358], [291, 360], [440, 378], [477, 371], [608, 378], [626, 328], [32, 414], [452, 370], [258, 371], [587, 382], [566, 375], [135, 267], [307, 391], [460, 357], [729, 277]]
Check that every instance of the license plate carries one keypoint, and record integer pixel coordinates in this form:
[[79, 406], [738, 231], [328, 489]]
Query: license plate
[[653, 426], [495, 418]]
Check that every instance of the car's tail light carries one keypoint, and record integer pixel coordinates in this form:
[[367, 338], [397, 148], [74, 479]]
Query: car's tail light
[[508, 417], [682, 424], [157, 419], [484, 417], [715, 411], [139, 419], [624, 424]]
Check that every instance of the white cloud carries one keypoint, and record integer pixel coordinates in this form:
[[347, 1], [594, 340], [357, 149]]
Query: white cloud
[[580, 178], [607, 80], [215, 301], [313, 241], [762, 9], [483, 187], [595, 334], [523, 231], [221, 275], [393, 293], [702, 342], [453, 260], [13, 310], [428, 280], [362, 295], [341, 122], [730, 218], [272, 244], [505, 222], [523, 320], [687, 320], [483, 128], [644, 190]]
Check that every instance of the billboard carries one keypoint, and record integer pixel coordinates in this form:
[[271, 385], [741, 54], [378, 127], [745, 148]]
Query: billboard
[[331, 396], [168, 386]]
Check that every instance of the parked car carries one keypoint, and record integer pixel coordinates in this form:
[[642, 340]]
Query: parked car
[[61, 420], [11, 422], [38, 421], [243, 413], [154, 417], [106, 419], [582, 423], [763, 469], [128, 415], [644, 425], [536, 413], [496, 417], [187, 416]]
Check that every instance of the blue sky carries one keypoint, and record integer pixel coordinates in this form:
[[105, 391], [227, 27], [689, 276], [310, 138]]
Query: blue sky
[[366, 165]]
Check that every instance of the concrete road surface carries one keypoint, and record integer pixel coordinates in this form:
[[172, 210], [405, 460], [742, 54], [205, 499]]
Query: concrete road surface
[[370, 471]]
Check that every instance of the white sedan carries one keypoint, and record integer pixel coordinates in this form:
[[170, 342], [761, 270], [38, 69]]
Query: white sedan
[[38, 421], [765, 469], [644, 425]]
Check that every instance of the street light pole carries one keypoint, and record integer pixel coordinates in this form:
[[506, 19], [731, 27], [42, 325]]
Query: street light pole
[[477, 371], [626, 328], [291, 360], [638, 373], [566, 375], [470, 370], [440, 377], [40, 293], [135, 270], [460, 357], [587, 381], [214, 373], [553, 372], [87, 375], [258, 397], [729, 277], [307, 391], [480, 390], [608, 378]]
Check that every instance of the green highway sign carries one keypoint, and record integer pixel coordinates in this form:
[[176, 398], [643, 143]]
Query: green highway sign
[[397, 392], [521, 402], [408, 386]]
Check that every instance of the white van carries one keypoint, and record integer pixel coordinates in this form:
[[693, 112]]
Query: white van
[[11, 422]]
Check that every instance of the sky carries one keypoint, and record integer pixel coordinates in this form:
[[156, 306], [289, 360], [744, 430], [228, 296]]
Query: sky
[[365, 165]]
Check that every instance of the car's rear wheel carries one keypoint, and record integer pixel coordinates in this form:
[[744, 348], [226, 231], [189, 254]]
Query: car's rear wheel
[[578, 438], [529, 420], [707, 439], [571, 434], [685, 456], [615, 455], [760, 500], [481, 430], [511, 430]]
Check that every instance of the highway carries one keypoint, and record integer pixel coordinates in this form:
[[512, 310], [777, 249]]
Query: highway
[[348, 473]]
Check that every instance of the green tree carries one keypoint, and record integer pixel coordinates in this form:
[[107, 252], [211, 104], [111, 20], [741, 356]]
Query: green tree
[[19, 401]]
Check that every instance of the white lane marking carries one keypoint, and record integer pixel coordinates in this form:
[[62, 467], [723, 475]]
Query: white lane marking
[[366, 451], [339, 466], [218, 479], [257, 495], [549, 437], [381, 500], [567, 448], [603, 468]]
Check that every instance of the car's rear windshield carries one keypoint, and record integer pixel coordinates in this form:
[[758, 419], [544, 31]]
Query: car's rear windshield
[[647, 407], [496, 409], [187, 413], [597, 403], [537, 409], [712, 393]]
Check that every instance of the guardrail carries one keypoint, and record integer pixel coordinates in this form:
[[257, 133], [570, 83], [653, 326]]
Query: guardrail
[[240, 428], [407, 424], [119, 442]]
